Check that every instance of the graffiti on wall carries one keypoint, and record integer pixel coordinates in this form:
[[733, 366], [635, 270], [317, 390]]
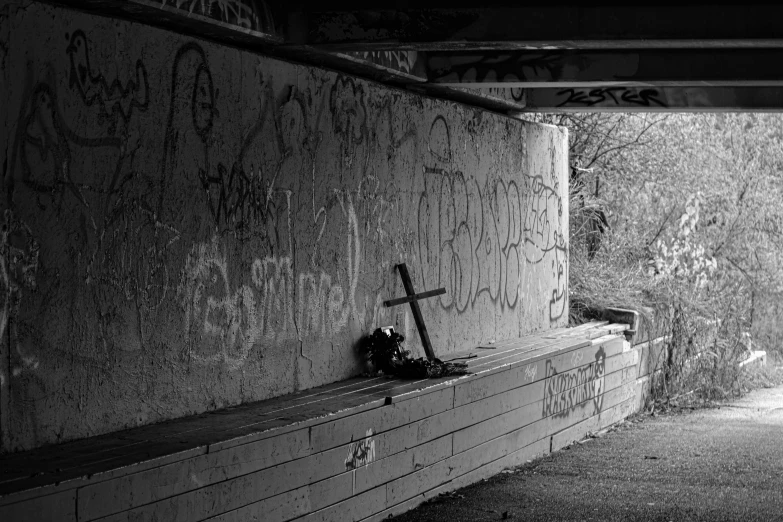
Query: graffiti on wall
[[469, 234], [483, 235], [402, 61], [277, 305], [19, 252], [180, 214], [545, 234], [223, 216], [247, 14], [474, 237], [273, 195], [558, 301], [115, 102], [119, 223], [565, 392], [76, 165]]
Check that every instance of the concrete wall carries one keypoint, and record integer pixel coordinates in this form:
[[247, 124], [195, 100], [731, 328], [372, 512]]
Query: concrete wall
[[187, 226]]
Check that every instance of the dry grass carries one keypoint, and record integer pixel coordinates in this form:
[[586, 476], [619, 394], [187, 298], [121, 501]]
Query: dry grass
[[706, 327]]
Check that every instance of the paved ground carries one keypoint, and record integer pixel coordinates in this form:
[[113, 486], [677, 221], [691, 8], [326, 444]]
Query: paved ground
[[719, 464]]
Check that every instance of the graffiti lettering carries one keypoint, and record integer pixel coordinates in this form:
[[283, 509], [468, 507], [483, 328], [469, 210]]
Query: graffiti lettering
[[472, 247], [279, 305], [565, 392], [611, 96], [491, 67], [485, 232]]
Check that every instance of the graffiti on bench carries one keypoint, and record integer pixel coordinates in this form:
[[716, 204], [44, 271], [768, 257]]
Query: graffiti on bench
[[361, 453], [564, 392]]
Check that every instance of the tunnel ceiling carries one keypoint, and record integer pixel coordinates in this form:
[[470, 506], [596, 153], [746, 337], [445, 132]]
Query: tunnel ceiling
[[510, 57]]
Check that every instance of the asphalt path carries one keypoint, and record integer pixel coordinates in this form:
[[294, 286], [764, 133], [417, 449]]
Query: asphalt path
[[715, 464]]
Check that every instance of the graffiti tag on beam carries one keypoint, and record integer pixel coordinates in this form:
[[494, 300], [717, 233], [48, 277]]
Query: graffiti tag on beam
[[611, 97]]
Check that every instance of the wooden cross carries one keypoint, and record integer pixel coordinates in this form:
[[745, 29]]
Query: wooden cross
[[413, 299]]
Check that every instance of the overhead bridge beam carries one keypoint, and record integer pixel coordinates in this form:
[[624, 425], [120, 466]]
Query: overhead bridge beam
[[655, 99], [426, 25], [580, 69], [623, 58]]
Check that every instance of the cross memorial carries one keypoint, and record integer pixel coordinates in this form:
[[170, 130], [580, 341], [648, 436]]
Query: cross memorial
[[413, 298]]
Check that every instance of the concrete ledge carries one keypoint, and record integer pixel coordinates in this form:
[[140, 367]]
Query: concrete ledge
[[757, 358], [629, 317], [356, 450]]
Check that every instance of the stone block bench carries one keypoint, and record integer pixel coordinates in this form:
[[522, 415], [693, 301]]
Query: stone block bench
[[356, 450]]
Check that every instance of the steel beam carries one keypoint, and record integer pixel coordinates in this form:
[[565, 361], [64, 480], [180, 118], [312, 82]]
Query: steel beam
[[428, 26], [656, 99], [580, 69]]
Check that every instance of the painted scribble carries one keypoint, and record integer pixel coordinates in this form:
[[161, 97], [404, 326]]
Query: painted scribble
[[19, 252], [43, 147], [191, 116], [565, 392], [361, 453], [542, 219], [115, 102], [122, 245], [558, 301], [248, 194], [493, 66], [403, 61]]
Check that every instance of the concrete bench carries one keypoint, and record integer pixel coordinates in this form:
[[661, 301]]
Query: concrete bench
[[360, 449]]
